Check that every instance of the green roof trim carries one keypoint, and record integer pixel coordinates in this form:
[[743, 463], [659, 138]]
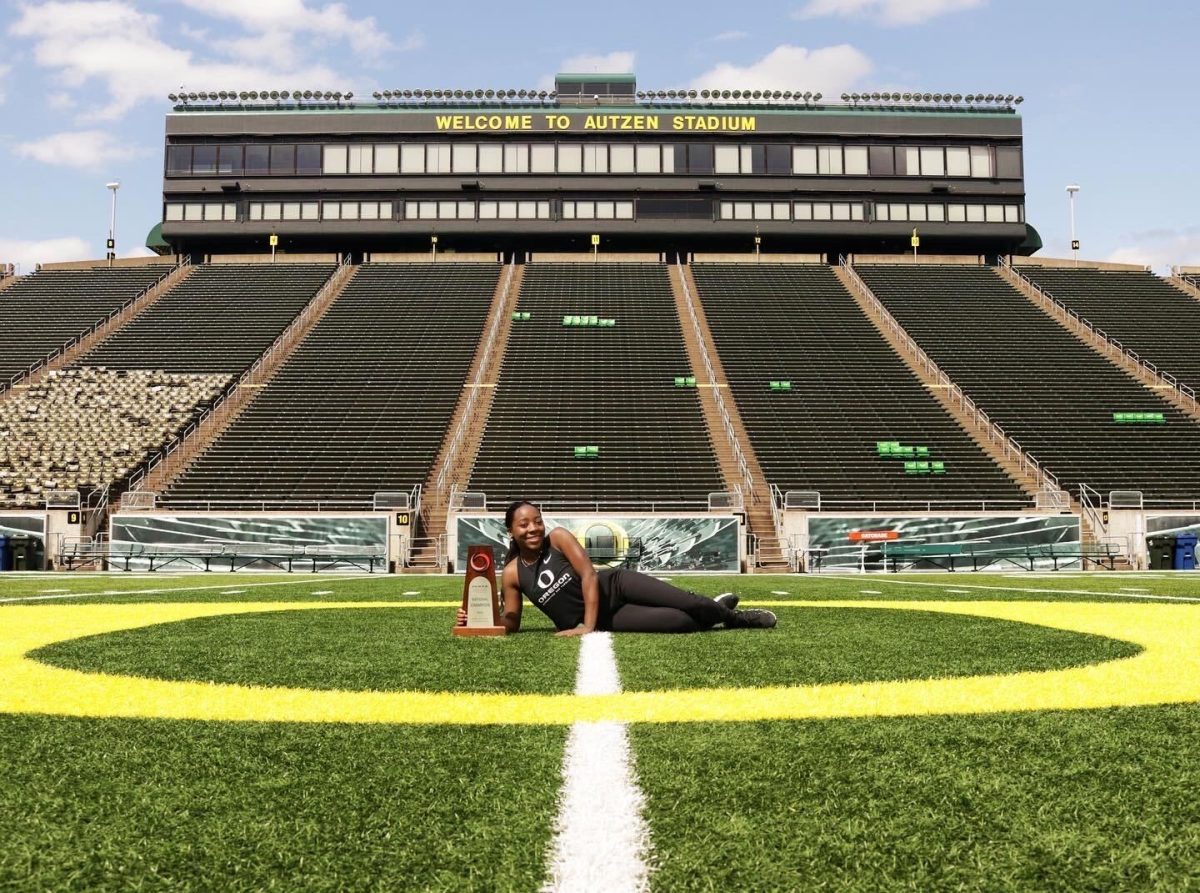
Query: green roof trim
[[155, 241], [576, 78]]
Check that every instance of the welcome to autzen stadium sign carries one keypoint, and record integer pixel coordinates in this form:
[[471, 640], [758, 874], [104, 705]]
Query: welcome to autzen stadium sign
[[634, 122]]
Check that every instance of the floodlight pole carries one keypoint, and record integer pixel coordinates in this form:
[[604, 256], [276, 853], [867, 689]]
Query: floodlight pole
[[1071, 190], [111, 244]]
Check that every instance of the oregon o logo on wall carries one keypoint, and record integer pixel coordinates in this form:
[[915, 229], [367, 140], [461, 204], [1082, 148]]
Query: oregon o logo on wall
[[606, 542]]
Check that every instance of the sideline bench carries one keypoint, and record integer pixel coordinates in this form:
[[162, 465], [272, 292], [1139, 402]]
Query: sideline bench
[[211, 557], [981, 555]]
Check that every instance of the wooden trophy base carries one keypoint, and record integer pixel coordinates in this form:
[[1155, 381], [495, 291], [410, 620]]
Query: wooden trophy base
[[480, 631]]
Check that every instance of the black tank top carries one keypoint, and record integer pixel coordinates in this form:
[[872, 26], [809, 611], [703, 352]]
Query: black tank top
[[554, 587]]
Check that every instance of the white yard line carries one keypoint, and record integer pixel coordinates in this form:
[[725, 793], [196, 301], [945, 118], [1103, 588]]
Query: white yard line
[[601, 841], [1167, 598], [779, 592], [34, 598], [869, 592]]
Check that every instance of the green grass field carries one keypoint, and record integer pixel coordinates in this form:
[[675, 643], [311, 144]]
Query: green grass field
[[1063, 800]]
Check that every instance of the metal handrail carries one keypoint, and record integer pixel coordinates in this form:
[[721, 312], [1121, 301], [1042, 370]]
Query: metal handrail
[[1111, 344], [249, 378], [726, 423], [121, 311], [1092, 504], [996, 434], [489, 344]]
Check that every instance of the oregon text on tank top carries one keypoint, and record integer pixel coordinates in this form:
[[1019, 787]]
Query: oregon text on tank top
[[553, 586]]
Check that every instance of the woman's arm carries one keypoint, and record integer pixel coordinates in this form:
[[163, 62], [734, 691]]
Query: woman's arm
[[510, 615], [561, 539]]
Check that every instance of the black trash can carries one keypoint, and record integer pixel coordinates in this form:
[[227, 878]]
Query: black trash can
[[1161, 552], [20, 553]]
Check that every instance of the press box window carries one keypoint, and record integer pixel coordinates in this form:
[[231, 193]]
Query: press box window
[[491, 158], [387, 159]]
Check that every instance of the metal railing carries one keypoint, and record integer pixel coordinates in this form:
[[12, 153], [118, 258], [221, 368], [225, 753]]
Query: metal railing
[[410, 545], [1092, 504], [747, 477], [995, 434], [1111, 345], [808, 500], [264, 505], [221, 408], [777, 504], [489, 345], [397, 500], [121, 312], [726, 501]]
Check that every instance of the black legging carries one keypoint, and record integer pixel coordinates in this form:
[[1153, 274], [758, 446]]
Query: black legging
[[637, 603]]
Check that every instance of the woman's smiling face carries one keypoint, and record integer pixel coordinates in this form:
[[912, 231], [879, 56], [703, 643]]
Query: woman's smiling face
[[527, 528]]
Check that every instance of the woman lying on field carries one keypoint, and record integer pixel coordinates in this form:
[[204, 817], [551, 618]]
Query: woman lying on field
[[555, 574]]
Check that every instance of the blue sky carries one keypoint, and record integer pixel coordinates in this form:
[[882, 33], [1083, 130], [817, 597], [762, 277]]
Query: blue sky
[[1108, 87]]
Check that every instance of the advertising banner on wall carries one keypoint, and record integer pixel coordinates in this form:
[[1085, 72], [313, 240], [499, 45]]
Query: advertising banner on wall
[[707, 543], [23, 525], [273, 533], [860, 541], [1165, 524]]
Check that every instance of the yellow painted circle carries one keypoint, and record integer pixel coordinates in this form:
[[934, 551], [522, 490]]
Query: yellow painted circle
[[1166, 671]]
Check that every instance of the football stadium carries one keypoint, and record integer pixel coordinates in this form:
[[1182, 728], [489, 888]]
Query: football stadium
[[801, 348]]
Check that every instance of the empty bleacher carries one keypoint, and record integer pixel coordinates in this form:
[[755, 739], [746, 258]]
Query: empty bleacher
[[219, 319], [1152, 318], [847, 391], [1051, 393], [565, 388], [42, 312], [363, 404]]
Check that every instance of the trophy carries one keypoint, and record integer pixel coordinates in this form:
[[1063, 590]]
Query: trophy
[[479, 595]]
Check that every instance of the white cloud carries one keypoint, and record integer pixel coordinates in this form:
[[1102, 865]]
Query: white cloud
[[829, 70], [4, 70], [885, 12], [60, 101], [28, 254], [616, 62], [113, 43], [87, 149], [1161, 249], [283, 20]]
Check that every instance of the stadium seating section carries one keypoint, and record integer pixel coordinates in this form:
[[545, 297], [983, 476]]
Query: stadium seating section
[[1054, 395], [42, 312], [1146, 314], [220, 319], [587, 411], [796, 324], [364, 402], [82, 429]]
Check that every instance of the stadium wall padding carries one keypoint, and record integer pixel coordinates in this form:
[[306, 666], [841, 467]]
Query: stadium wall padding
[[701, 543]]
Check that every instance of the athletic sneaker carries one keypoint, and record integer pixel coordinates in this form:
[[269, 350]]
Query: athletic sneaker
[[727, 600], [752, 618]]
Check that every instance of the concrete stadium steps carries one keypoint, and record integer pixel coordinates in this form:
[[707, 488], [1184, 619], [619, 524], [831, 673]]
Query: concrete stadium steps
[[1152, 317], [1051, 393], [363, 404], [220, 319], [42, 313], [848, 391], [567, 386]]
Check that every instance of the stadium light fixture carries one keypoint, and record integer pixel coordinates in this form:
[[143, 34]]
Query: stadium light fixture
[[111, 245], [1071, 190]]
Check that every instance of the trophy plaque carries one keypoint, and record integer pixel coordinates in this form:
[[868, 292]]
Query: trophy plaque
[[479, 595]]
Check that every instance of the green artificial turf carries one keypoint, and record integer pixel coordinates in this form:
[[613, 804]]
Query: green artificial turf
[[351, 649], [123, 805], [824, 645], [1072, 801], [244, 586]]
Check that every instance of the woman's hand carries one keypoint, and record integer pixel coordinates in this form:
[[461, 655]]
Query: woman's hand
[[462, 617], [580, 630]]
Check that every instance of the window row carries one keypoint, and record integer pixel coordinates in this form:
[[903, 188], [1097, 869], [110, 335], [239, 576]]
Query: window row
[[907, 212], [919, 212], [705, 159], [792, 211], [576, 210], [201, 211]]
